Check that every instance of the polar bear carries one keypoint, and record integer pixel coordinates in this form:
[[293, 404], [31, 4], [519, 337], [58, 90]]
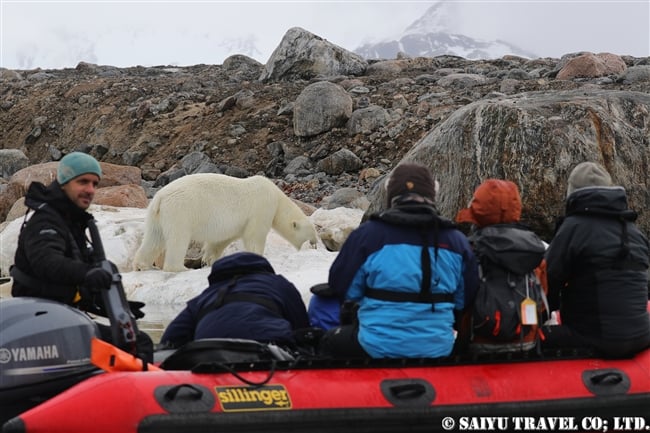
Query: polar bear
[[215, 209]]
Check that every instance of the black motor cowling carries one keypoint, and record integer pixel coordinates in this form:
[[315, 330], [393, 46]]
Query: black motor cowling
[[44, 347]]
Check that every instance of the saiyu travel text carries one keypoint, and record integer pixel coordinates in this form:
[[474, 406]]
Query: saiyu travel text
[[546, 423]]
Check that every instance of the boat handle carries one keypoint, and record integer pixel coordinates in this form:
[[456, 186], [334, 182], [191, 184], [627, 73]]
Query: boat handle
[[409, 390], [607, 378], [171, 392]]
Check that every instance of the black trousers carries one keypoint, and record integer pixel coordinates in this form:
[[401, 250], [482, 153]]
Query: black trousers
[[342, 342], [562, 336]]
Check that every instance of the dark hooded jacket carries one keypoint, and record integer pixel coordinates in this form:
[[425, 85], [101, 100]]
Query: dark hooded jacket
[[53, 253], [245, 299], [597, 267]]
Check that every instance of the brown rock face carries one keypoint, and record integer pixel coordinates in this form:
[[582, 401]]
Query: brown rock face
[[122, 196], [592, 65]]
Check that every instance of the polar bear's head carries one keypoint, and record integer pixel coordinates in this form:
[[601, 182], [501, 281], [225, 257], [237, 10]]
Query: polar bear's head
[[292, 223], [304, 231], [295, 227]]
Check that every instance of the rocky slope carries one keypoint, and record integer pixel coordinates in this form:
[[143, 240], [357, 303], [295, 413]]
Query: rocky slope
[[153, 117]]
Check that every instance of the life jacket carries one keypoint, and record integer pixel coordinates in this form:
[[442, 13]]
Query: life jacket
[[424, 217]]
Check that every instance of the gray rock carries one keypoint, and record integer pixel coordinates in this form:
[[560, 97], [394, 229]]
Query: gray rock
[[303, 55], [297, 165], [635, 74], [340, 161], [367, 120], [346, 197], [320, 107], [12, 160]]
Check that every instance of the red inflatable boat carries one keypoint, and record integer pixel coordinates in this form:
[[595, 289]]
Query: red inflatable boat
[[565, 391], [49, 382]]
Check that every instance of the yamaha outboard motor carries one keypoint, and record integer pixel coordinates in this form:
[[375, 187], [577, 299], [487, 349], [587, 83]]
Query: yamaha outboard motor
[[44, 349]]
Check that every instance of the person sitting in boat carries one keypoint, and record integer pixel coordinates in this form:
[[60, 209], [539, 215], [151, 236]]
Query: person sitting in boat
[[597, 265], [245, 299], [511, 267], [324, 307], [410, 271], [54, 259]]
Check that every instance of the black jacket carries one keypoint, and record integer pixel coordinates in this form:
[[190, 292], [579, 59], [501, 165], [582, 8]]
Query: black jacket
[[597, 267], [53, 253]]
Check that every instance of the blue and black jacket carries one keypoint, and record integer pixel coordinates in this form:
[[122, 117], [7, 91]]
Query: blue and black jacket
[[410, 270]]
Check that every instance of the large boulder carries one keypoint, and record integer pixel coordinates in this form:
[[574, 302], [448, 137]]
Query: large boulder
[[535, 140], [303, 55], [334, 226], [589, 65], [122, 196], [320, 107]]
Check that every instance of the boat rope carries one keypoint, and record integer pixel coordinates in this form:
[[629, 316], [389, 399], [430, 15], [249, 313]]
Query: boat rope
[[212, 366]]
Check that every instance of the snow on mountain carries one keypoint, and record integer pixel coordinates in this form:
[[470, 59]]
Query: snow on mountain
[[435, 34], [439, 18]]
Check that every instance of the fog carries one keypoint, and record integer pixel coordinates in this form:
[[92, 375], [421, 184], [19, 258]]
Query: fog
[[58, 34]]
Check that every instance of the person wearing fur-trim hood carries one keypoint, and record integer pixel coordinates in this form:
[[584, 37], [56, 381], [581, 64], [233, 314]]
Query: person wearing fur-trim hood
[[410, 272], [597, 269]]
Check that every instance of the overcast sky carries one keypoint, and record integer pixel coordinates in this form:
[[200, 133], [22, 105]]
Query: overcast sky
[[58, 34]]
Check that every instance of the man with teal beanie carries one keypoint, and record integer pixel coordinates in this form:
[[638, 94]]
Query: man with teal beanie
[[54, 258]]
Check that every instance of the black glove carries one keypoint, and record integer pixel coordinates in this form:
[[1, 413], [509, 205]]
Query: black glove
[[136, 309], [323, 290], [97, 279], [348, 314]]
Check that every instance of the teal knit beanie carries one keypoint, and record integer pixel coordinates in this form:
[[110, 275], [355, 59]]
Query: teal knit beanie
[[75, 164]]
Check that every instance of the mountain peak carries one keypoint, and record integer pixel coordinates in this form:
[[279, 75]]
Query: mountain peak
[[436, 33], [437, 19]]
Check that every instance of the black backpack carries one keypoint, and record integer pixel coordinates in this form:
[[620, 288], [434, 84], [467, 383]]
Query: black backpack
[[507, 255]]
